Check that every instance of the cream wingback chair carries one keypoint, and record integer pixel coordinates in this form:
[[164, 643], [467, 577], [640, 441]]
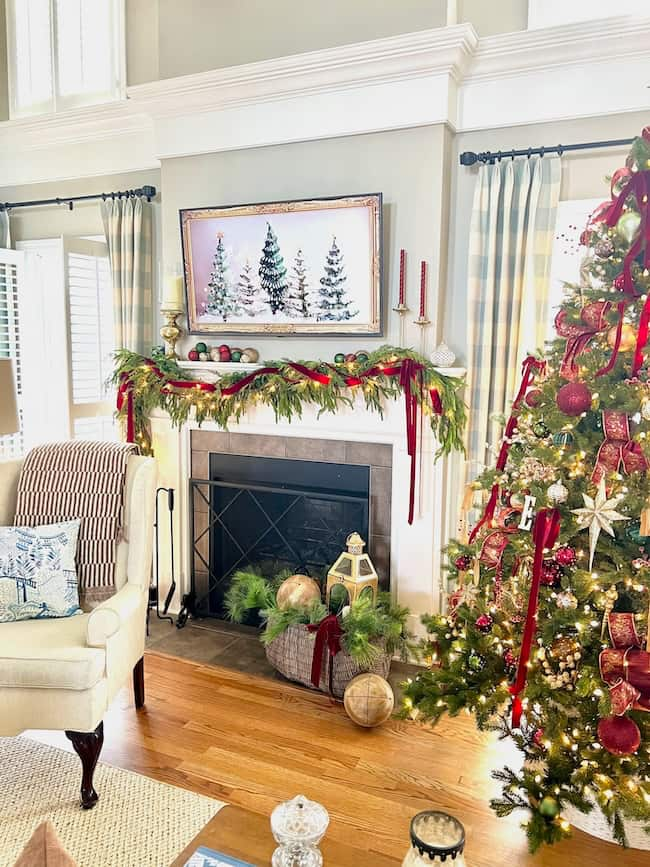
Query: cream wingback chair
[[63, 673]]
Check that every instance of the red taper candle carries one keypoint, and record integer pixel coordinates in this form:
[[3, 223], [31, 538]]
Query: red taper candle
[[423, 283], [402, 276]]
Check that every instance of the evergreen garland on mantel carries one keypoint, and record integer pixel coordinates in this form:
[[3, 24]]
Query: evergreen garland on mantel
[[159, 382]]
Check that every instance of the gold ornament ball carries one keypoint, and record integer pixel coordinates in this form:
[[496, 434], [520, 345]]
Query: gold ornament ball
[[298, 591], [628, 225], [628, 338], [368, 700], [253, 354]]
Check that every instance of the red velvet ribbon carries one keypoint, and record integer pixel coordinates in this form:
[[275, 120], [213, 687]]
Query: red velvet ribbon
[[328, 637], [625, 667], [410, 375], [618, 448], [530, 368], [545, 532]]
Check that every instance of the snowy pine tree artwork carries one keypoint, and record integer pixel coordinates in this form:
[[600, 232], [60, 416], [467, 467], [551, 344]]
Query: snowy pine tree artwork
[[334, 305], [307, 267]]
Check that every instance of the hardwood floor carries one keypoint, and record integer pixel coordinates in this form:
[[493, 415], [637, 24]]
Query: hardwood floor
[[254, 742]]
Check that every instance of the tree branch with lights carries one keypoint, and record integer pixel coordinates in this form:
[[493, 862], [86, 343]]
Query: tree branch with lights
[[543, 640]]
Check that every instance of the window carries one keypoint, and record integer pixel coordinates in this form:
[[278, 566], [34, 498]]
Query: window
[[64, 53], [551, 13], [567, 255], [66, 312], [11, 445]]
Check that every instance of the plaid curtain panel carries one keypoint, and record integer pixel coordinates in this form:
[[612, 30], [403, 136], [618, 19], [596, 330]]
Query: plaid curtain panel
[[511, 239], [128, 229]]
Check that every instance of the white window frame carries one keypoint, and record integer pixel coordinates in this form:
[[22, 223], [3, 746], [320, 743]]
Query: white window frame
[[13, 445], [58, 103]]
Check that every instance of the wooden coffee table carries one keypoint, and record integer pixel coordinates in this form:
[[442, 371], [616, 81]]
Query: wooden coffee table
[[247, 835]]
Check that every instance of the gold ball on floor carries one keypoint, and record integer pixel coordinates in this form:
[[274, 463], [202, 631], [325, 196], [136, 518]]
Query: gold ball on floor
[[368, 700], [298, 591]]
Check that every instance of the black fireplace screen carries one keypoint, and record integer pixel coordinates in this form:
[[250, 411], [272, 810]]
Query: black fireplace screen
[[290, 513]]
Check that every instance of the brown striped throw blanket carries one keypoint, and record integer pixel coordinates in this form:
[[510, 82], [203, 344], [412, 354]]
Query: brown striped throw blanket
[[63, 481]]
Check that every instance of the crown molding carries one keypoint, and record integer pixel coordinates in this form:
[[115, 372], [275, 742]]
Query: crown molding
[[442, 76]]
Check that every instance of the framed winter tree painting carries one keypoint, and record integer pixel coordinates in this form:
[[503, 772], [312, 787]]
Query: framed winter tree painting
[[303, 267]]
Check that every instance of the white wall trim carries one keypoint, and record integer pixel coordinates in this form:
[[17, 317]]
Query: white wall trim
[[446, 75]]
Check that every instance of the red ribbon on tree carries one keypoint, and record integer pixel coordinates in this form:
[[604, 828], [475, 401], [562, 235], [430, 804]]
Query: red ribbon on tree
[[529, 369], [625, 667], [578, 337], [545, 532], [618, 448], [328, 639]]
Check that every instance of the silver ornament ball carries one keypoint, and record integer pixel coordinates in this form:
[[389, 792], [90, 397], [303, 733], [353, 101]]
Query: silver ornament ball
[[557, 493]]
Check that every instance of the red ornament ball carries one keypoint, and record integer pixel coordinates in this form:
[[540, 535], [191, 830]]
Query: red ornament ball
[[619, 735], [538, 737], [351, 356], [510, 661], [566, 556], [551, 573], [574, 398], [192, 355], [463, 562], [484, 623], [533, 397], [224, 354]]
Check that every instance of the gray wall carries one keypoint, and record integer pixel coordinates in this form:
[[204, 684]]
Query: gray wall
[[583, 177], [490, 18], [196, 35], [406, 166], [141, 41]]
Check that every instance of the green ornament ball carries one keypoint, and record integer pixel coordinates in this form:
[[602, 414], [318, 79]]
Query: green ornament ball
[[549, 807], [339, 358], [632, 531], [540, 429], [628, 225], [235, 355], [562, 438], [201, 347], [362, 356]]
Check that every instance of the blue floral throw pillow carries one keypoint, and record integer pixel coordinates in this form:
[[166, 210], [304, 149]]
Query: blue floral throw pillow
[[37, 571]]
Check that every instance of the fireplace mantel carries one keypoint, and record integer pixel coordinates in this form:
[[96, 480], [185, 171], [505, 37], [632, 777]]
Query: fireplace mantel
[[415, 549]]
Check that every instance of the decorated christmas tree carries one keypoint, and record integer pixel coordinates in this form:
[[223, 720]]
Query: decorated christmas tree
[[247, 294], [273, 274], [544, 635], [332, 305], [221, 300], [298, 298]]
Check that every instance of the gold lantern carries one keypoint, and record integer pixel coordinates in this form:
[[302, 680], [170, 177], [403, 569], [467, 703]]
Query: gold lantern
[[354, 570]]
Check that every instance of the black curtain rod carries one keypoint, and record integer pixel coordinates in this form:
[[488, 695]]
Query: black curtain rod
[[469, 158], [146, 192]]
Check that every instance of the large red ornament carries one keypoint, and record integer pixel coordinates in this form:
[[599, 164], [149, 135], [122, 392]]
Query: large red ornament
[[533, 397], [484, 623], [551, 573], [619, 735], [574, 398], [566, 556], [463, 562]]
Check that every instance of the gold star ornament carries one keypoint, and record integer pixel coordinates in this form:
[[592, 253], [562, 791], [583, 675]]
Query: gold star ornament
[[598, 514]]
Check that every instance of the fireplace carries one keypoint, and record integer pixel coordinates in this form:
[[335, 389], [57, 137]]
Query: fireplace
[[269, 505]]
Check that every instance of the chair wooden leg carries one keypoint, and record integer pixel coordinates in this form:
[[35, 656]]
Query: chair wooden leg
[[88, 746], [138, 683]]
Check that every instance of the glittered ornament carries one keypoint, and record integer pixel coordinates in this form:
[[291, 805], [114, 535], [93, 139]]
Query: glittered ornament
[[557, 494], [510, 662], [368, 700], [538, 737], [566, 556], [533, 397], [298, 591], [604, 248], [551, 573], [560, 662], [475, 661], [562, 438], [628, 338], [463, 562], [574, 398], [549, 807], [541, 429], [566, 600], [535, 470], [484, 623], [619, 735], [628, 225]]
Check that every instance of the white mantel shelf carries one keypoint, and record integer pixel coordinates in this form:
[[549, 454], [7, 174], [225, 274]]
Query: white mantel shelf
[[416, 549], [210, 371]]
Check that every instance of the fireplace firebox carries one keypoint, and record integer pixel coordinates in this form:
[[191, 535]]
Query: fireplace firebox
[[284, 513]]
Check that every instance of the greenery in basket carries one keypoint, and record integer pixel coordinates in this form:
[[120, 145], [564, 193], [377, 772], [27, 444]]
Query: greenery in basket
[[369, 628]]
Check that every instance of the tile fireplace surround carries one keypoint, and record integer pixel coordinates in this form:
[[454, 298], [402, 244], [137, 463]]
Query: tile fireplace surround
[[352, 435]]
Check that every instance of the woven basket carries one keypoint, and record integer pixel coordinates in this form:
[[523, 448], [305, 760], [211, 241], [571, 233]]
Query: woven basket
[[596, 824], [291, 654]]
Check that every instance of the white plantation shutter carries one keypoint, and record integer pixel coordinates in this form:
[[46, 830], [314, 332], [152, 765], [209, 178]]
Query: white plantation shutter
[[10, 273], [88, 291]]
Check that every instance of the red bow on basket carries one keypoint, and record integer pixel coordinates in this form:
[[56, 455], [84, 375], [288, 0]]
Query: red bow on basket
[[618, 448], [328, 638], [625, 667]]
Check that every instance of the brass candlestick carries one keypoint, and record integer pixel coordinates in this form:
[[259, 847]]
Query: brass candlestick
[[171, 331]]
